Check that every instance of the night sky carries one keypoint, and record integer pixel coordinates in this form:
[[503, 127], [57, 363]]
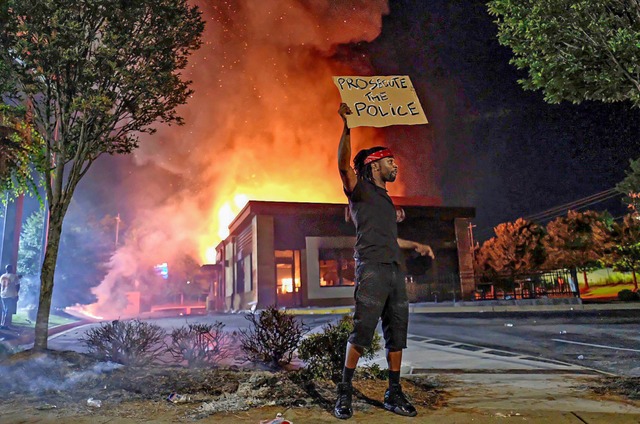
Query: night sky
[[497, 147], [489, 144]]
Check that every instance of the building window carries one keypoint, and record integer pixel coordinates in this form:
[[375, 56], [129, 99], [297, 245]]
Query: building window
[[337, 267], [288, 271]]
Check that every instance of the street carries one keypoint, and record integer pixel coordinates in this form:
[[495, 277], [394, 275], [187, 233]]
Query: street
[[607, 341], [604, 340]]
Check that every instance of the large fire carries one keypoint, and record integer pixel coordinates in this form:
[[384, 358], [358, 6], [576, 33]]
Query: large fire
[[262, 125]]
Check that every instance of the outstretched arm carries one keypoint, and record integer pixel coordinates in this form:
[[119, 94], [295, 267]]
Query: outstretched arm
[[347, 174], [423, 249]]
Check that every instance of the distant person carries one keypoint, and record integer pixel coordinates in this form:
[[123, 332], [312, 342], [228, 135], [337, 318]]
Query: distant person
[[380, 287], [9, 288], [561, 284]]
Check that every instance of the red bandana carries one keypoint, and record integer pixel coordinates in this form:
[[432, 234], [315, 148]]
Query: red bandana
[[378, 155]]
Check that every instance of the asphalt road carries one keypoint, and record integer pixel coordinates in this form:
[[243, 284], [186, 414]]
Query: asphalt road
[[606, 341]]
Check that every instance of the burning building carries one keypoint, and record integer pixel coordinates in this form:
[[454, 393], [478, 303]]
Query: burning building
[[293, 254]]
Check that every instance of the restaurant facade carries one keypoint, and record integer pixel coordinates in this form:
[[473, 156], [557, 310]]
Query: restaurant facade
[[298, 255]]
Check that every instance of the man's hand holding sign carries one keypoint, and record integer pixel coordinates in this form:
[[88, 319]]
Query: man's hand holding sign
[[380, 286], [380, 101]]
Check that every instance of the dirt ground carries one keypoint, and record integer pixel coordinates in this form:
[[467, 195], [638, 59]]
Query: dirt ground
[[62, 386]]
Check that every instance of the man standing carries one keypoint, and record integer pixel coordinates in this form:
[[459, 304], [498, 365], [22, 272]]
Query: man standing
[[380, 287], [9, 288]]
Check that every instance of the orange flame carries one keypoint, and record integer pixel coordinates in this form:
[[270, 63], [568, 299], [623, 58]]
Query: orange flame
[[262, 125]]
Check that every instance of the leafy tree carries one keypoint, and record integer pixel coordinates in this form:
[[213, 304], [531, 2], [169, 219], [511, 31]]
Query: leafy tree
[[85, 247], [626, 253], [482, 259], [574, 50], [630, 186], [19, 144], [579, 240], [30, 249], [515, 249], [95, 74]]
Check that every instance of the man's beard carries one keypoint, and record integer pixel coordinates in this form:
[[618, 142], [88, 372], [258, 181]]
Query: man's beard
[[391, 177]]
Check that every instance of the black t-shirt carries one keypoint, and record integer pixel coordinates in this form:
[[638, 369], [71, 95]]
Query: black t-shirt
[[373, 213]]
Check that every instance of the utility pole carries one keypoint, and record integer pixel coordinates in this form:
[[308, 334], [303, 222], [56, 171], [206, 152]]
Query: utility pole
[[117, 228], [472, 243]]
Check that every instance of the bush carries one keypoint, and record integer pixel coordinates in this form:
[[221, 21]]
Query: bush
[[325, 352], [126, 342], [272, 337], [627, 295], [200, 344]]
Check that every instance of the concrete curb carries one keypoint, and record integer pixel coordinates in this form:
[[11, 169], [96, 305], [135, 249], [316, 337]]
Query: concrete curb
[[523, 308], [321, 311], [459, 308], [29, 335]]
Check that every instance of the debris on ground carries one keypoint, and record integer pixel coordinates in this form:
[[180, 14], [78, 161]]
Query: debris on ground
[[77, 384], [46, 407], [94, 403], [178, 398], [507, 415], [624, 386], [279, 419]]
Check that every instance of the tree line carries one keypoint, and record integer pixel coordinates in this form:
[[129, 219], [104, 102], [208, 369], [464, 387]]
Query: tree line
[[579, 240]]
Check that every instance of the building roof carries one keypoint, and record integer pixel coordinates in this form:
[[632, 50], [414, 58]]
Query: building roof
[[259, 207]]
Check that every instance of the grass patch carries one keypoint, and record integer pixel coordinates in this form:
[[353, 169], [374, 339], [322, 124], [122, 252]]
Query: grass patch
[[605, 291], [22, 320]]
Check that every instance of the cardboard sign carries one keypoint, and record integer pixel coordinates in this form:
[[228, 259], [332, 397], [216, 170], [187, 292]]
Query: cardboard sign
[[380, 101]]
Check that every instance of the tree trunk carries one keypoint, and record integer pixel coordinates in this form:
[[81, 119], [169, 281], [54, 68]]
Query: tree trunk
[[635, 280], [586, 281], [46, 278]]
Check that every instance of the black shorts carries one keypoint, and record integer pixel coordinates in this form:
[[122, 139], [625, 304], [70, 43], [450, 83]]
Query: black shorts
[[380, 292]]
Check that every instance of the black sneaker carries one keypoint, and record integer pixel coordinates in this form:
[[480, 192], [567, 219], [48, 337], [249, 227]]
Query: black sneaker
[[395, 401], [343, 408]]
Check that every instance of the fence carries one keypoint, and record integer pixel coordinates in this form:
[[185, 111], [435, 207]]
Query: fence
[[446, 288], [558, 283]]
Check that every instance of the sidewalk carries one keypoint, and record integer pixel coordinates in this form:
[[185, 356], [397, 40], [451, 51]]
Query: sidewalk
[[475, 307], [492, 386]]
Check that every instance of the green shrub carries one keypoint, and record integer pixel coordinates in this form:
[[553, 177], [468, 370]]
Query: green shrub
[[627, 295], [200, 345], [272, 337], [324, 353], [132, 342], [372, 372]]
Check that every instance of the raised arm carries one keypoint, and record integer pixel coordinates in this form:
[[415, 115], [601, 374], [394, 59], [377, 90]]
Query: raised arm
[[347, 174], [423, 249]]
